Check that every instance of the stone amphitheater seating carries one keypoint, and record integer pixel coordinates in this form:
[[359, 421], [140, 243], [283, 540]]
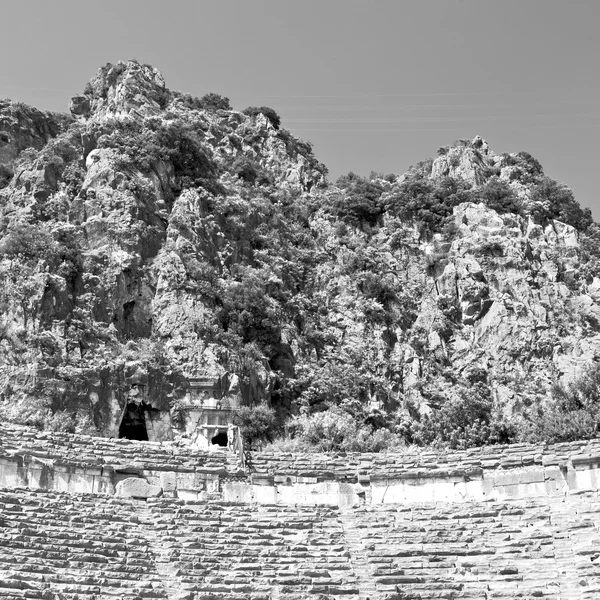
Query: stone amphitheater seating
[[495, 523], [58, 545], [89, 451], [521, 549], [96, 547]]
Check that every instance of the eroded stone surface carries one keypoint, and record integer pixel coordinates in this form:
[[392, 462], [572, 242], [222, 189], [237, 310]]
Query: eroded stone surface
[[134, 487], [477, 550]]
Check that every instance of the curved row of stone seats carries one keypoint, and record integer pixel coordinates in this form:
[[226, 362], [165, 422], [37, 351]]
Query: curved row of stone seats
[[59, 546], [415, 462], [233, 550], [523, 549], [96, 547], [85, 547], [84, 450]]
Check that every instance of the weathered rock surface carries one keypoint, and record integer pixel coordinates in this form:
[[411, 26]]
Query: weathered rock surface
[[134, 487], [150, 240], [25, 127]]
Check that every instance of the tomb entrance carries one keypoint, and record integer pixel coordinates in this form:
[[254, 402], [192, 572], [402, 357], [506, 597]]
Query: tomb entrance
[[133, 423]]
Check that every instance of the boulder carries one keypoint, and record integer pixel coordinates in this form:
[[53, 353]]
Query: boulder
[[80, 106], [135, 487]]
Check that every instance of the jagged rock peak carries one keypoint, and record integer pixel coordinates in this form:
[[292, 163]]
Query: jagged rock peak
[[126, 88], [469, 160], [23, 126]]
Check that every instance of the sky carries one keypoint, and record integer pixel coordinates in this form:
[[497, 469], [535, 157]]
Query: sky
[[375, 85]]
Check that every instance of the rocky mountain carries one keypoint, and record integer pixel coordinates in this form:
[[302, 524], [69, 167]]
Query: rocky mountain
[[152, 239]]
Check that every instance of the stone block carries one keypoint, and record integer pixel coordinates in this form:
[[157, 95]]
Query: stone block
[[583, 461], [532, 476], [168, 481], [189, 495], [487, 485], [263, 480], [265, 494], [134, 487], [551, 486], [307, 479], [505, 478]]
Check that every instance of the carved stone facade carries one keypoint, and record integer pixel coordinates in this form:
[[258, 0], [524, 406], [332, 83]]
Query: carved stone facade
[[208, 415]]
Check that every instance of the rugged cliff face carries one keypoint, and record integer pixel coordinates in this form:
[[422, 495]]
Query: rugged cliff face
[[153, 239]]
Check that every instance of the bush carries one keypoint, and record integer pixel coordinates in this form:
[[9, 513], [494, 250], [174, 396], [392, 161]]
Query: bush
[[556, 201], [271, 115], [334, 430], [213, 102], [326, 431], [590, 253], [498, 195], [572, 412], [73, 177], [248, 311], [530, 165], [375, 287], [332, 383], [430, 203], [250, 171], [463, 423], [143, 144], [257, 424], [360, 201], [29, 241], [210, 102], [551, 425]]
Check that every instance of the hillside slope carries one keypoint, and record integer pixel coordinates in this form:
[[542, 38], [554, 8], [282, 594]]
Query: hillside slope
[[152, 238]]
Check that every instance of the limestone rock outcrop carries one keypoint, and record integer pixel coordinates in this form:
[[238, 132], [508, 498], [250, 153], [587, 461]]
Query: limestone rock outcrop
[[151, 241]]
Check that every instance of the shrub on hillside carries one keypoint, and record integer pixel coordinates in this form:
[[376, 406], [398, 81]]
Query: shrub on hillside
[[429, 203], [214, 101], [590, 253], [376, 287], [271, 115], [28, 241], [553, 200], [210, 102], [463, 422], [332, 383], [572, 412], [257, 424], [143, 144], [499, 196], [334, 430], [247, 310], [250, 171], [531, 166], [359, 202]]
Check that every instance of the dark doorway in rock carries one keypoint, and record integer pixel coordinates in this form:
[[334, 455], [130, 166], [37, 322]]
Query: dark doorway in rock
[[220, 439], [133, 424]]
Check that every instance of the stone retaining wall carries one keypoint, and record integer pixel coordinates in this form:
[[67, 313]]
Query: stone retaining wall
[[84, 464]]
